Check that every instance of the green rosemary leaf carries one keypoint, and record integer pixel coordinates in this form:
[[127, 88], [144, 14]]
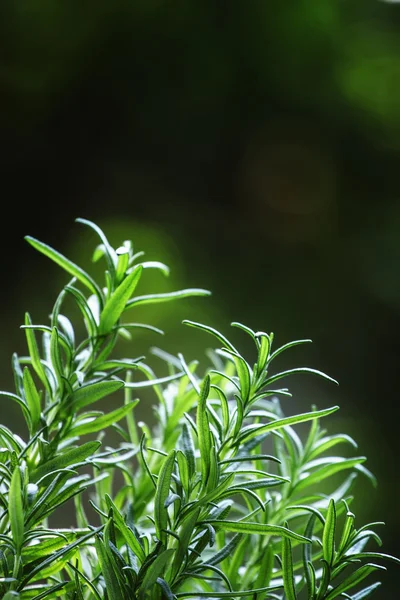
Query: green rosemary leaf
[[244, 328], [188, 449], [363, 469], [286, 347], [353, 579], [213, 475], [122, 255], [162, 493], [244, 373], [310, 509], [324, 580], [263, 352], [92, 392], [239, 594], [22, 404], [117, 302], [366, 591], [337, 464], [68, 330], [156, 264], [278, 376], [106, 562], [203, 431], [287, 569], [52, 559], [249, 458], [16, 509], [328, 535], [359, 538], [250, 431], [46, 547], [154, 570], [128, 534], [44, 500], [246, 489], [114, 457], [51, 590], [32, 399], [140, 326], [183, 471], [186, 532], [328, 442], [67, 265], [15, 444], [218, 492], [226, 550], [307, 558], [257, 528], [347, 529], [153, 382], [109, 251], [11, 596], [56, 359], [166, 297], [86, 580], [166, 590], [18, 376], [362, 555], [93, 424], [34, 353], [78, 590], [224, 406], [126, 363], [88, 317], [69, 458], [225, 342]]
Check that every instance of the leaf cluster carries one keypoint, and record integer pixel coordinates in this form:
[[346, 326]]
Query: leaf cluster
[[221, 497]]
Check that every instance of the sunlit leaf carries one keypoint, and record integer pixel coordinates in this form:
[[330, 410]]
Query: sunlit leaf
[[117, 302], [295, 371], [32, 398], [129, 536], [109, 251], [328, 536], [251, 431], [34, 353], [66, 264], [21, 403], [287, 569], [166, 297], [16, 509], [99, 423], [105, 558], [353, 579], [225, 342], [70, 458], [257, 528], [92, 392], [366, 591], [203, 431], [162, 493]]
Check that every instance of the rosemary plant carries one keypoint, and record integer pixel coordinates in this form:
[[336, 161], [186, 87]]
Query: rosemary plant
[[220, 498]]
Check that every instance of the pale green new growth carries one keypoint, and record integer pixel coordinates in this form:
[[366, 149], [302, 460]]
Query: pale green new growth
[[221, 498]]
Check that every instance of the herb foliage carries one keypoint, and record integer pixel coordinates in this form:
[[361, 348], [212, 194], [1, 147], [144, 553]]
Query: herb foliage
[[221, 498]]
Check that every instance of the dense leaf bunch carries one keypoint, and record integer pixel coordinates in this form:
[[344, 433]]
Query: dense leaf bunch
[[221, 497]]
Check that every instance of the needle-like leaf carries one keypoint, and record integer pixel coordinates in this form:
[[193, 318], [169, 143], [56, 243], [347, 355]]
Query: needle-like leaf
[[66, 264]]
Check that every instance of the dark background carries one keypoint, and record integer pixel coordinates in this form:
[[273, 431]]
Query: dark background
[[254, 147]]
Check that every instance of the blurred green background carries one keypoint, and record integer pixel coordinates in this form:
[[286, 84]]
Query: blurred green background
[[253, 146]]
